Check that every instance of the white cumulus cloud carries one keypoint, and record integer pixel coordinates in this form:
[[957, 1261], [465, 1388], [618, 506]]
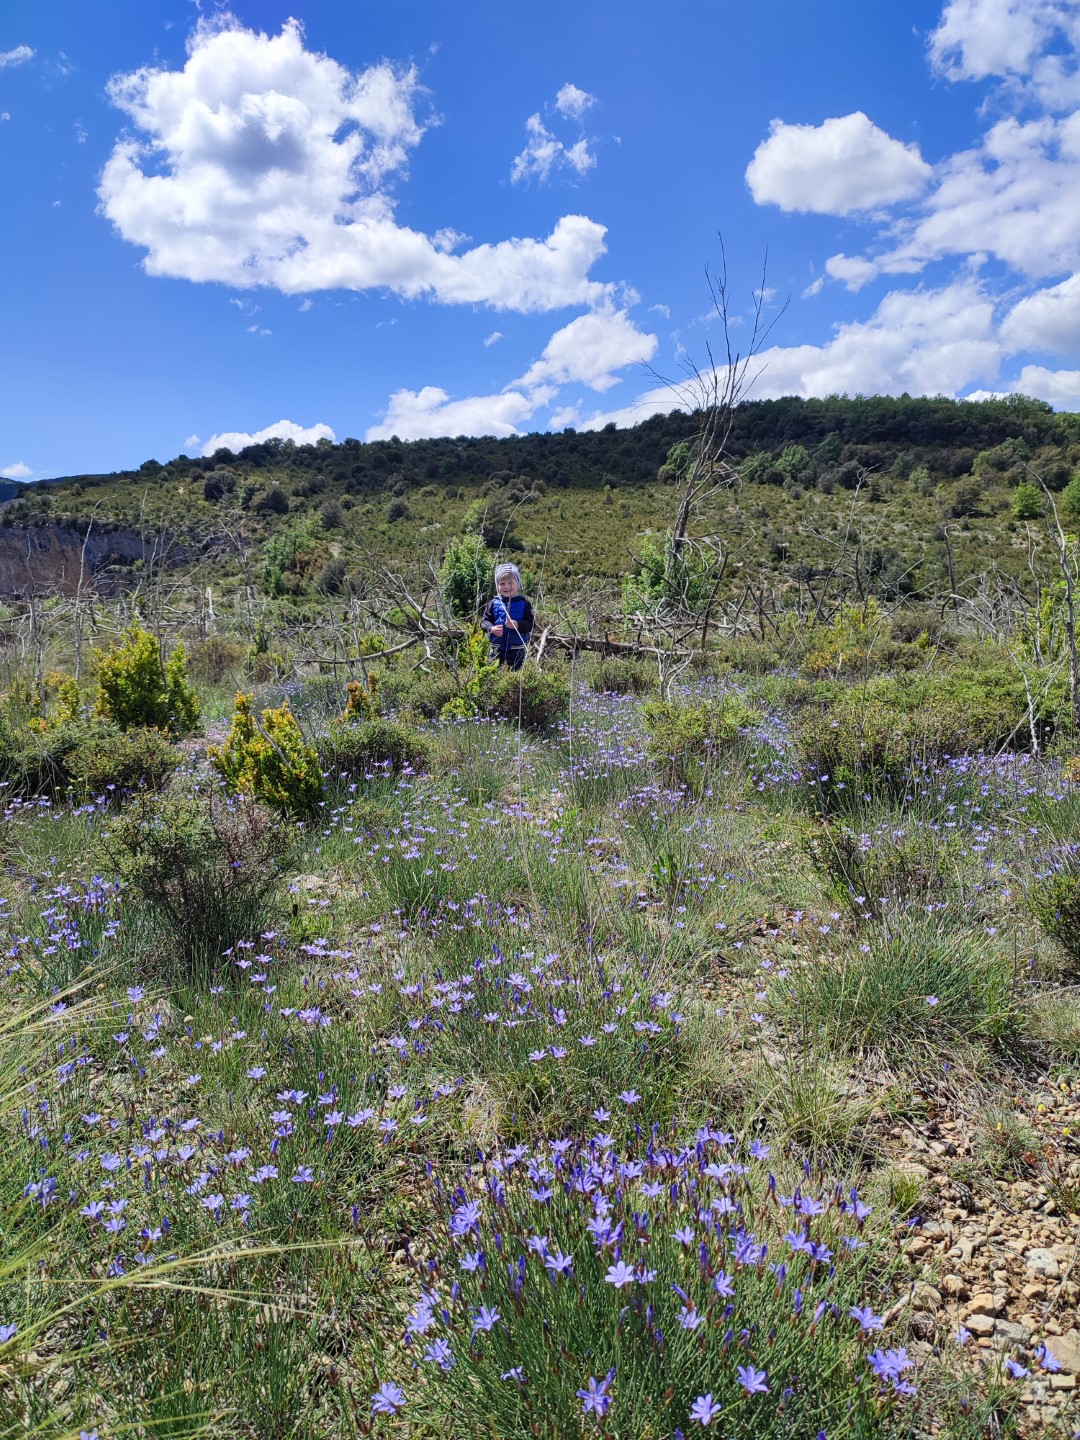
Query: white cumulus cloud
[[424, 414], [282, 430], [843, 165], [573, 103], [589, 350], [18, 56], [925, 342], [977, 39], [1047, 320], [264, 163], [1060, 388], [1013, 197], [18, 471]]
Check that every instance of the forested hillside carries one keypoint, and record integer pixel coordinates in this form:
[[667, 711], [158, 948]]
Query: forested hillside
[[913, 489]]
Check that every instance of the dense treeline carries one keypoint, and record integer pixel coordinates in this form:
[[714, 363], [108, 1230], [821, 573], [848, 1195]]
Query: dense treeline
[[946, 432]]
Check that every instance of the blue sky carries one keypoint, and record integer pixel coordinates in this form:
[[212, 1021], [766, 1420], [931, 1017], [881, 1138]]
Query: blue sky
[[334, 217]]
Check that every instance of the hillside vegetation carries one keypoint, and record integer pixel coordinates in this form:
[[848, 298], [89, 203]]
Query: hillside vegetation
[[676, 1036], [917, 488]]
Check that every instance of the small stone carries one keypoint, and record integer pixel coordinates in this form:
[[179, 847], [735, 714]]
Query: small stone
[[980, 1324], [1063, 1382], [1042, 1262], [1011, 1333], [956, 1287], [925, 1297], [1066, 1349], [986, 1304]]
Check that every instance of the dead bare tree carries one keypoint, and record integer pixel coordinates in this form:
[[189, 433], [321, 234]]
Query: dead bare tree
[[714, 394]]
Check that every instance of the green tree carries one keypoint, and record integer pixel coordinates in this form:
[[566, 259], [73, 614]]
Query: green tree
[[1027, 503], [467, 575], [1070, 498], [795, 463]]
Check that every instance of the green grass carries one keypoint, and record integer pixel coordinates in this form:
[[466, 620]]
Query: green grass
[[535, 940]]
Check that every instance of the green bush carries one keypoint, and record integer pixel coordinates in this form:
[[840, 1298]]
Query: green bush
[[1054, 901], [467, 576], [354, 752], [107, 760], [269, 760], [532, 698], [87, 755], [620, 675], [871, 739], [683, 737], [207, 867], [136, 688]]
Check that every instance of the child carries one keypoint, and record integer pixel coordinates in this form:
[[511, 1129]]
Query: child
[[508, 619]]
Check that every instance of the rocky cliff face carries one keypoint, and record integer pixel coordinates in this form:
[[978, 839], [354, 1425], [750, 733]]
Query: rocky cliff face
[[49, 558]]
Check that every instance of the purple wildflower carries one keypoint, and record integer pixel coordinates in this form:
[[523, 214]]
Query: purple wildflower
[[704, 1410], [595, 1397], [388, 1399], [753, 1381]]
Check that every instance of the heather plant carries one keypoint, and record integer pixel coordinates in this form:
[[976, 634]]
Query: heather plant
[[137, 687], [531, 698], [269, 760], [371, 750], [618, 675], [113, 763], [684, 738]]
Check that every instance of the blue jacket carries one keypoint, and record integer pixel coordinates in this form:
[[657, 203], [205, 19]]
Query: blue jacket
[[496, 612]]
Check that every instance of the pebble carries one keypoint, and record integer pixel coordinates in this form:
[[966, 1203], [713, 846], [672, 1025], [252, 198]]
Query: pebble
[[1042, 1262]]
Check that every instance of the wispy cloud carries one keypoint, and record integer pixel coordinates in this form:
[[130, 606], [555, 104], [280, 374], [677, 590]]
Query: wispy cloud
[[18, 56], [544, 152]]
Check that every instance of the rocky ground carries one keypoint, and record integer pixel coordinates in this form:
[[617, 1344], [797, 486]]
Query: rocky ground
[[996, 1261]]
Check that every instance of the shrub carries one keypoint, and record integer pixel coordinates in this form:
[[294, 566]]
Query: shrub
[[361, 701], [873, 740], [107, 760], [682, 737], [269, 760], [136, 688], [356, 751], [532, 698], [619, 675], [1054, 901], [467, 576], [216, 657], [206, 866]]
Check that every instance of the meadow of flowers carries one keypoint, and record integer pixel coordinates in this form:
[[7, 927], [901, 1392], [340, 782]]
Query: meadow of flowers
[[548, 1091]]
